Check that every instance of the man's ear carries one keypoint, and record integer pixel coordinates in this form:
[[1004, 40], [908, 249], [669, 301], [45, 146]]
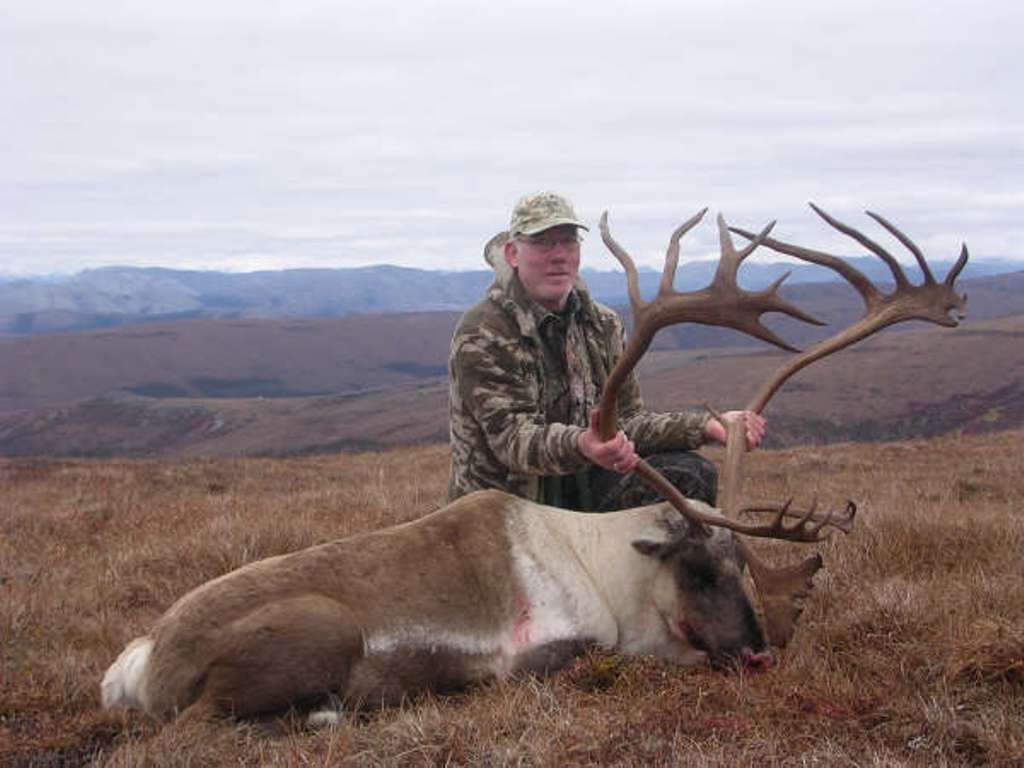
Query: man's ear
[[512, 254]]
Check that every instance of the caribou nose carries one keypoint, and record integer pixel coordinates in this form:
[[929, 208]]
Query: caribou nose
[[755, 663]]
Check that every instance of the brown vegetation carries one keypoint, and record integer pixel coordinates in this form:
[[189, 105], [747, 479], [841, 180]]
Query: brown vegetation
[[911, 651], [295, 357], [918, 383]]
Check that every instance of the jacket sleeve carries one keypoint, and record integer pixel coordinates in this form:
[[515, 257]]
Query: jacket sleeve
[[653, 432], [496, 384]]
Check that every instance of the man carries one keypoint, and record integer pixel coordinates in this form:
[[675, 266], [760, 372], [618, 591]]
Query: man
[[526, 367]]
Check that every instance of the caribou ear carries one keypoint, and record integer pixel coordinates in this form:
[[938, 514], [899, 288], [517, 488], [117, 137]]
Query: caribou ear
[[658, 549]]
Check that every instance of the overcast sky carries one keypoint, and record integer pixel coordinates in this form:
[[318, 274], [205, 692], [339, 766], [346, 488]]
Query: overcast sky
[[261, 135]]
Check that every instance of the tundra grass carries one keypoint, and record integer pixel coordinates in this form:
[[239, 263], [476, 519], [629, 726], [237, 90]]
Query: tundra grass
[[910, 651]]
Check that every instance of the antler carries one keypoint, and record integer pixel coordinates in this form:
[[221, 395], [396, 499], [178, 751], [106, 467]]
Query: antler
[[783, 589], [931, 301], [722, 303]]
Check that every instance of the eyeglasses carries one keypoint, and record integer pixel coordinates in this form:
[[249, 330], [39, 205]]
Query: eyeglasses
[[546, 243]]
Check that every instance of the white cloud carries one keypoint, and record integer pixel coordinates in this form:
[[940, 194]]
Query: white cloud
[[333, 134]]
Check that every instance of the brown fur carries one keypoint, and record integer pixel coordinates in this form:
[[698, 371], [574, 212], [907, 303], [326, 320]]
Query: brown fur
[[291, 628], [488, 586]]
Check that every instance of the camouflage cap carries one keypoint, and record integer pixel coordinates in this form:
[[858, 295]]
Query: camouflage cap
[[539, 211]]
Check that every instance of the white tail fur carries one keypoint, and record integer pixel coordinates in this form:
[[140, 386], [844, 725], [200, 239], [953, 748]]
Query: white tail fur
[[122, 684]]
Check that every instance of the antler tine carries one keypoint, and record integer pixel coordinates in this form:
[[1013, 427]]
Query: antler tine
[[781, 511], [908, 243], [742, 309], [752, 246], [842, 522], [731, 258], [807, 517], [770, 297], [782, 592], [897, 271], [954, 272], [810, 526], [632, 280], [869, 293], [819, 523], [756, 329], [668, 274]]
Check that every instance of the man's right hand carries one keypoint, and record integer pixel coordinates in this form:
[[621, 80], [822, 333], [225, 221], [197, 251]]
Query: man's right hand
[[617, 454]]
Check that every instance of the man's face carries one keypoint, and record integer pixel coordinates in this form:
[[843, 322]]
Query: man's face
[[547, 264]]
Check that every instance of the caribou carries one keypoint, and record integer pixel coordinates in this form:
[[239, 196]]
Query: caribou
[[492, 585]]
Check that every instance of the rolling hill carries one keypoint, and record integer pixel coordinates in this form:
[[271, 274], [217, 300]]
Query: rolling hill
[[301, 357], [914, 383]]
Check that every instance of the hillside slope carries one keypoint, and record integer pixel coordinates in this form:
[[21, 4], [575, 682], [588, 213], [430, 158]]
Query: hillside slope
[[911, 384], [302, 357], [226, 358]]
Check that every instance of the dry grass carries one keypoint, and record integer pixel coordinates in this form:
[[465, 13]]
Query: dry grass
[[911, 651]]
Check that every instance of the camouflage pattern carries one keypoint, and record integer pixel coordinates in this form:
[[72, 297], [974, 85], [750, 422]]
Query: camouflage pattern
[[502, 387], [693, 476], [539, 211], [494, 251]]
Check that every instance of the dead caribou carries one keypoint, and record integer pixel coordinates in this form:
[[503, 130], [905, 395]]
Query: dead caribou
[[492, 585]]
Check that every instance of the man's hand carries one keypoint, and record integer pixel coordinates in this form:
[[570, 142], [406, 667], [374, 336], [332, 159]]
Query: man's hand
[[755, 426], [617, 454]]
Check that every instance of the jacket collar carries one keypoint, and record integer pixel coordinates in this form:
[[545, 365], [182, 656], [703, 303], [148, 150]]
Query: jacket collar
[[508, 293]]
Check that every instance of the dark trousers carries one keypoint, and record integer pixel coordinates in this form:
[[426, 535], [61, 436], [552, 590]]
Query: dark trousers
[[691, 473]]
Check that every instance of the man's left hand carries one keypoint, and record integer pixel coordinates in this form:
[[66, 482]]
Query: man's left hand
[[755, 427]]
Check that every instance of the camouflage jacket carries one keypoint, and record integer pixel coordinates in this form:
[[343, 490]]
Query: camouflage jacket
[[500, 435]]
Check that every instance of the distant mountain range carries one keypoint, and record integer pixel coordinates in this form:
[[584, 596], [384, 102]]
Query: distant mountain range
[[113, 296]]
